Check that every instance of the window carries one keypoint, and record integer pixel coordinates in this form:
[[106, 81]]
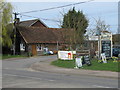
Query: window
[[22, 47], [39, 47]]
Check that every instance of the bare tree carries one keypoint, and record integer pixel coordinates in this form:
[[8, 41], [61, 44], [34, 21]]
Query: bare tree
[[101, 25]]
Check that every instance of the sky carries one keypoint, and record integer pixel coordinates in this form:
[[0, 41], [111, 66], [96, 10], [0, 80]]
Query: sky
[[107, 11]]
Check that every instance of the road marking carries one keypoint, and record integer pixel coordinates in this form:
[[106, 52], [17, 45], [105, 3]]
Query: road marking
[[51, 80], [102, 86], [23, 76]]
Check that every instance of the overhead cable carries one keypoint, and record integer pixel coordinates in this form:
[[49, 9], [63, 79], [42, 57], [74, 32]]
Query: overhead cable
[[57, 7]]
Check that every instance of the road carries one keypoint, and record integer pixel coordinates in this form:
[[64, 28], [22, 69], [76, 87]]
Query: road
[[16, 74]]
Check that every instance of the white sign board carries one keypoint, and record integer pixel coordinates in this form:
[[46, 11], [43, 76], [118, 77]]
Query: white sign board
[[94, 38], [104, 36], [66, 55], [103, 58], [78, 62]]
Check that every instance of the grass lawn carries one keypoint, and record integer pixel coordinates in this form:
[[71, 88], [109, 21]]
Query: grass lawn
[[12, 56], [109, 66]]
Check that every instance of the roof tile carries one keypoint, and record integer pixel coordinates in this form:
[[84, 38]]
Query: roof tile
[[41, 35]]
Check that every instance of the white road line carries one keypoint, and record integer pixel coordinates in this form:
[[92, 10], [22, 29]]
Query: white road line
[[23, 76], [51, 80], [102, 86]]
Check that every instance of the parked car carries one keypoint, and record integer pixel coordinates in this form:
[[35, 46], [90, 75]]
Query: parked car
[[116, 52], [50, 52]]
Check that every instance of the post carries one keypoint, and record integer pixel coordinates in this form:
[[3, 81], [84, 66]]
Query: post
[[14, 42], [57, 45], [111, 45], [99, 43], [99, 46]]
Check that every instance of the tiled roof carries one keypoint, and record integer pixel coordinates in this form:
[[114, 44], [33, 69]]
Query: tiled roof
[[29, 23], [41, 35]]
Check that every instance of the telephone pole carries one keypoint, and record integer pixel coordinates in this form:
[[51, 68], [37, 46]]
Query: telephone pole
[[57, 45], [99, 43], [14, 35]]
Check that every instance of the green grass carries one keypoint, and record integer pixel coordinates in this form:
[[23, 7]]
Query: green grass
[[64, 63], [109, 66], [12, 56]]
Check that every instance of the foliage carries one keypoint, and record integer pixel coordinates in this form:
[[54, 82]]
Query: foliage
[[110, 66], [115, 59], [6, 15], [77, 22], [99, 26]]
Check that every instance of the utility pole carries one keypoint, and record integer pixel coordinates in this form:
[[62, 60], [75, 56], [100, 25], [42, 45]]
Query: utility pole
[[14, 35], [57, 45], [99, 43]]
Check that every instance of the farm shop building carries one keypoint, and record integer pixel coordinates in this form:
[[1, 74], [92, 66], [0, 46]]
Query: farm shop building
[[35, 39]]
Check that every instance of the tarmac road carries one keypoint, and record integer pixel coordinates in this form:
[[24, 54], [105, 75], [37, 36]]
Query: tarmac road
[[17, 74]]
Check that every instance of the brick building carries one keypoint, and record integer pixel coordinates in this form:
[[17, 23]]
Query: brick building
[[35, 39]]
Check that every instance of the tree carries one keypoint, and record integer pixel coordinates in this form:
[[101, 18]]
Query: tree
[[77, 22], [101, 26], [6, 18]]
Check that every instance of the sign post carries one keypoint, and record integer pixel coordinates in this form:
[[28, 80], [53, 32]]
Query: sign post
[[107, 44], [104, 43]]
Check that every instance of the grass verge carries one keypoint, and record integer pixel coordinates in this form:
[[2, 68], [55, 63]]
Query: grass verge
[[109, 66], [12, 56]]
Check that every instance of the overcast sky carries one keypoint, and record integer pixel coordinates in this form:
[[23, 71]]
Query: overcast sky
[[107, 11]]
